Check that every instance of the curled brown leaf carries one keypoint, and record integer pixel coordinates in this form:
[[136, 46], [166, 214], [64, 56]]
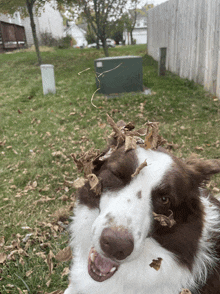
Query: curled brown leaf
[[130, 143], [95, 184], [156, 263], [152, 137], [143, 164], [165, 220], [79, 183], [64, 255]]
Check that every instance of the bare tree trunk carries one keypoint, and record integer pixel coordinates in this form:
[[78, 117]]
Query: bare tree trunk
[[105, 47], [131, 34], [97, 43], [30, 4]]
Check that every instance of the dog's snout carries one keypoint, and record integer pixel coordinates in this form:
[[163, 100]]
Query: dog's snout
[[117, 242]]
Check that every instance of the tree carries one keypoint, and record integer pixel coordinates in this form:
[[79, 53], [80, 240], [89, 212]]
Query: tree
[[116, 29], [130, 17], [28, 8], [99, 14], [90, 35]]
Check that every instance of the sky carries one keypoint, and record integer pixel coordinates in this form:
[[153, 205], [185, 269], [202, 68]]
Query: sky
[[156, 2]]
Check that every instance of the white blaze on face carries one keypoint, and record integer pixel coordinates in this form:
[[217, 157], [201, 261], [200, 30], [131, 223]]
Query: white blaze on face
[[131, 207]]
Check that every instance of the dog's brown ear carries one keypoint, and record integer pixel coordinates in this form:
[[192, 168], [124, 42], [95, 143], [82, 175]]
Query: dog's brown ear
[[203, 169]]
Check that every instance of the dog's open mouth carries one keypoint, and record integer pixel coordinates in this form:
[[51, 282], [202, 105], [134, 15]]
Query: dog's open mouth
[[101, 268]]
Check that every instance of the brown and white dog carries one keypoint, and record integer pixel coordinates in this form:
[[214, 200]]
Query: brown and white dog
[[154, 233]]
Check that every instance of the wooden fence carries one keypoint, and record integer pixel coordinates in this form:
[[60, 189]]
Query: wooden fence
[[190, 30], [12, 36]]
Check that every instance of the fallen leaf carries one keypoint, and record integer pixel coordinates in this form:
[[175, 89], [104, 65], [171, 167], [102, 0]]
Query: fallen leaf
[[148, 140], [34, 184], [48, 283], [85, 162], [3, 257], [143, 164], [10, 286], [41, 255], [2, 241], [28, 273], [130, 143], [165, 220], [118, 133], [49, 261], [64, 198], [199, 148], [65, 271], [152, 138], [55, 292], [107, 154], [59, 154], [21, 261], [170, 146], [156, 263], [43, 200], [102, 125], [95, 184], [19, 290], [215, 189], [79, 183], [64, 255], [14, 252]]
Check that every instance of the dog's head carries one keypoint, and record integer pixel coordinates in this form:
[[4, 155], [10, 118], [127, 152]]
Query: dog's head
[[160, 200]]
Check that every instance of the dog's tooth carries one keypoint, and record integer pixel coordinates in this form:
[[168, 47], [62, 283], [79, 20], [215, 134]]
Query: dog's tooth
[[92, 257], [113, 269]]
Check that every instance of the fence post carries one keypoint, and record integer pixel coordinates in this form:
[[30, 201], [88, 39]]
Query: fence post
[[48, 79], [162, 61]]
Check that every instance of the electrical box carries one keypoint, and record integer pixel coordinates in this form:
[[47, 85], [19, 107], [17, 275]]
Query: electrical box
[[119, 74]]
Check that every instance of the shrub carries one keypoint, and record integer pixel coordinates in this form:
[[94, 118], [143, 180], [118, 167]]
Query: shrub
[[47, 39]]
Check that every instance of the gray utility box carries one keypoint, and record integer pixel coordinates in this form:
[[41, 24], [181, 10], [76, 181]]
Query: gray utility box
[[119, 74]]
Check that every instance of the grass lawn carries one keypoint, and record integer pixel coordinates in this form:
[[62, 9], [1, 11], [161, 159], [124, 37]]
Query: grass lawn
[[39, 133]]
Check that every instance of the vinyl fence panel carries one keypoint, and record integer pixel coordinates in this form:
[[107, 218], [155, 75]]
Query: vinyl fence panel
[[190, 31]]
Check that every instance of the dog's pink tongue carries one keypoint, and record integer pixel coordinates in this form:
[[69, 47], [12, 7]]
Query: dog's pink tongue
[[103, 264]]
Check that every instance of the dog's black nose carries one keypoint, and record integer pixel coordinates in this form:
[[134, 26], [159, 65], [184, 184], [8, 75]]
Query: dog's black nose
[[117, 242]]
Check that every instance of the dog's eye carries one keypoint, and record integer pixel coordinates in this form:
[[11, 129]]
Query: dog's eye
[[165, 200]]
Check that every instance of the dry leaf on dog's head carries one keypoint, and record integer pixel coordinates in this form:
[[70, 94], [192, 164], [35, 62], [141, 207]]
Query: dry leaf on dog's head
[[130, 143], [148, 141], [79, 183], [156, 263], [165, 220], [152, 139], [95, 184], [143, 164]]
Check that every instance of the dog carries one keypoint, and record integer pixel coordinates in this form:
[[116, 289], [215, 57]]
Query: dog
[[148, 225]]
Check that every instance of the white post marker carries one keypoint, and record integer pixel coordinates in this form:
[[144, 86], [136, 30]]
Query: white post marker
[[48, 79]]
